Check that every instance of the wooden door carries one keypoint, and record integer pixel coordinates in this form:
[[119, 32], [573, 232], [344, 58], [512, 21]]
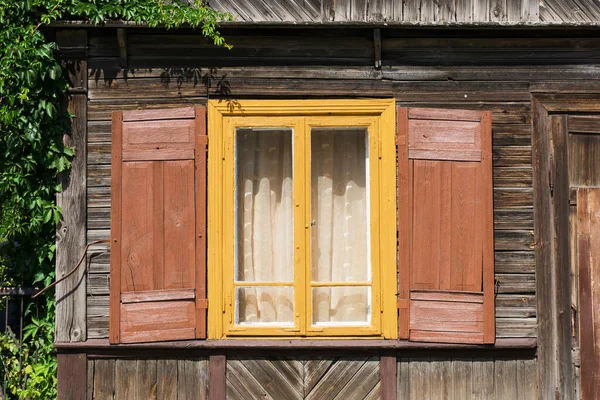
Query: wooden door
[[584, 183]]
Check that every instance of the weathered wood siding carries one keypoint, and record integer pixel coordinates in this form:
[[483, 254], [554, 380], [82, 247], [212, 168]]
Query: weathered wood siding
[[147, 378], [390, 11], [466, 378], [310, 377], [464, 70]]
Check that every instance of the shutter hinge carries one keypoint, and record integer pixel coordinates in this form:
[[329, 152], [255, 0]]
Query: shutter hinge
[[551, 176]]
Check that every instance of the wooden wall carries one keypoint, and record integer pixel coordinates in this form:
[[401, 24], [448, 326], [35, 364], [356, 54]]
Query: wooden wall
[[412, 11], [458, 377], [488, 70], [147, 378]]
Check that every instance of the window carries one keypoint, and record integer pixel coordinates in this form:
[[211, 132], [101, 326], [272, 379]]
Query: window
[[301, 242], [303, 239]]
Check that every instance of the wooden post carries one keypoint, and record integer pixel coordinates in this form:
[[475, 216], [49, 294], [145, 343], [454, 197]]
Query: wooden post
[[217, 367], [387, 372], [71, 232], [72, 376], [549, 147]]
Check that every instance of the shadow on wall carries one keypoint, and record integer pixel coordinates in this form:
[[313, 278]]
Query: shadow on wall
[[213, 84]]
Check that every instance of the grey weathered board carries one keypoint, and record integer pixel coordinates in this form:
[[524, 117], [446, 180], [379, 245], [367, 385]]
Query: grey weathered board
[[408, 11], [148, 378], [282, 73], [466, 378], [321, 378]]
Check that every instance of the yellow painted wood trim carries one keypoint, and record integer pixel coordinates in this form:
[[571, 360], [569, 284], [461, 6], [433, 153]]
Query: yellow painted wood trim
[[223, 116]]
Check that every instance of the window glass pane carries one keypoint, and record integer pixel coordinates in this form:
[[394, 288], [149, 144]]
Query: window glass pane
[[264, 205], [339, 205], [260, 305], [341, 305]]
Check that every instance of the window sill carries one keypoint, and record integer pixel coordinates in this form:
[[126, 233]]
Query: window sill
[[100, 345]]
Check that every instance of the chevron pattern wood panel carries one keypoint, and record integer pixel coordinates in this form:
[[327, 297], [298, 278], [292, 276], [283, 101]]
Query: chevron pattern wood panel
[[569, 10], [318, 378]]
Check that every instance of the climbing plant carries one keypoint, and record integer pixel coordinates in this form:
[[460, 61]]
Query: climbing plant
[[33, 120]]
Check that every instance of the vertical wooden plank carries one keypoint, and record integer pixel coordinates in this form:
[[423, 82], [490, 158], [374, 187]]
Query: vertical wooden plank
[[145, 379], [462, 379], [90, 380], [530, 10], [425, 252], [192, 382], [506, 379], [588, 237], [575, 277], [115, 228], [514, 10], [561, 282], [489, 328], [441, 375], [179, 224], [445, 11], [411, 11], [200, 160], [139, 236], [388, 372], [420, 378], [526, 383], [481, 10], [104, 379], [464, 10], [404, 218], [403, 378], [498, 10], [483, 379], [543, 250], [428, 11], [156, 215], [166, 379], [71, 231], [448, 202], [125, 378], [217, 366], [72, 376]]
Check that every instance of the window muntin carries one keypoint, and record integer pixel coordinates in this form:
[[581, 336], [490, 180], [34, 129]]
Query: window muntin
[[334, 302]]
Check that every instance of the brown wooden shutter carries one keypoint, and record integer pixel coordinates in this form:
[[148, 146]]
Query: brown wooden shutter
[[445, 217], [158, 226]]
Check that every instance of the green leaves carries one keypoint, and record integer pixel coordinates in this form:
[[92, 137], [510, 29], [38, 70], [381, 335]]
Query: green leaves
[[33, 120]]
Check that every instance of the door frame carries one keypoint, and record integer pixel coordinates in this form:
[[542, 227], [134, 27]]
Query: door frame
[[551, 224]]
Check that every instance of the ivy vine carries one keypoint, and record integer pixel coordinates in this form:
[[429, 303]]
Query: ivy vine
[[33, 120]]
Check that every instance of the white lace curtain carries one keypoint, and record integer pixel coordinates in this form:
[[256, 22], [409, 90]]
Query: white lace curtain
[[339, 229]]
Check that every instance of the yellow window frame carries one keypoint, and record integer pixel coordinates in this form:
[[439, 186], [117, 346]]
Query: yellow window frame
[[224, 117]]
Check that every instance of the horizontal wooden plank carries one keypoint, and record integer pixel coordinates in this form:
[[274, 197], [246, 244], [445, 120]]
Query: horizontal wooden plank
[[511, 156], [515, 306], [445, 316], [460, 90], [98, 196], [512, 177], [98, 218], [513, 219], [515, 283], [98, 175], [511, 135], [158, 295], [150, 115], [99, 111], [503, 112], [443, 114], [513, 198], [514, 240], [490, 72], [169, 320], [446, 337], [514, 262], [432, 295], [584, 124], [97, 284], [516, 327]]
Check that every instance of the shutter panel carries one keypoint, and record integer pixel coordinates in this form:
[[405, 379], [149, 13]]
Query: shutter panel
[[158, 223], [445, 217]]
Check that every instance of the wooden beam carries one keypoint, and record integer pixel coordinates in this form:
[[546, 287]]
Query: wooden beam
[[72, 376], [377, 45], [388, 373], [71, 231], [122, 41], [217, 369]]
